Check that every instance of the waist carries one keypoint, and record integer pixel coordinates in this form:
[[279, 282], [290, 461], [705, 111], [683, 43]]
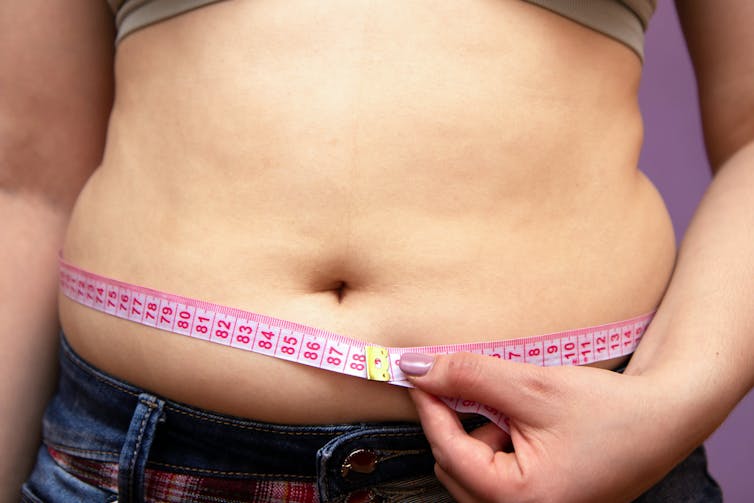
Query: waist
[[250, 385], [394, 276]]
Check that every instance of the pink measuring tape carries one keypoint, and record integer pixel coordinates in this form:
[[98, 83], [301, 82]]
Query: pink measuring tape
[[325, 350]]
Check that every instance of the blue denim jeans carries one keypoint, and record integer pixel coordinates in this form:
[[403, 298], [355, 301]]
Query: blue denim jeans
[[132, 443]]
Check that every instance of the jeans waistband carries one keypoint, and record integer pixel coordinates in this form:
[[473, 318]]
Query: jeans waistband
[[97, 417]]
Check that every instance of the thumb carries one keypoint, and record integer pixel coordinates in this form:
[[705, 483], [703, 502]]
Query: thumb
[[520, 390]]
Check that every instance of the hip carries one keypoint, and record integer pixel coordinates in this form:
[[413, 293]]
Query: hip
[[107, 440]]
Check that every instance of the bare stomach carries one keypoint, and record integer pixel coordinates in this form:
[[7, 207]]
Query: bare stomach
[[431, 177]]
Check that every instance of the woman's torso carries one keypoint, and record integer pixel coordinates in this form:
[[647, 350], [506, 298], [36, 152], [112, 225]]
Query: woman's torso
[[406, 173]]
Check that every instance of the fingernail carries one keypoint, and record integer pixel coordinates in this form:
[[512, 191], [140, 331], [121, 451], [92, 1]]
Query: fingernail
[[416, 364]]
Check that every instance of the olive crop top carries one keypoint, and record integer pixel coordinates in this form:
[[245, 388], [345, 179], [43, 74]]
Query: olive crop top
[[623, 20]]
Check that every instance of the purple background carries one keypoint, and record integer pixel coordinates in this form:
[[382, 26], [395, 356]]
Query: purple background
[[674, 158]]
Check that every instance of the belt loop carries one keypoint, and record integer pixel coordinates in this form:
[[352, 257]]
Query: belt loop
[[133, 456]]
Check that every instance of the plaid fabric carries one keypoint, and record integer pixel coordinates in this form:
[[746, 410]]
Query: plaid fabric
[[164, 486]]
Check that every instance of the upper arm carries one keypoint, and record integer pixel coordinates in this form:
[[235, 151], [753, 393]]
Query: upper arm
[[56, 90], [720, 38]]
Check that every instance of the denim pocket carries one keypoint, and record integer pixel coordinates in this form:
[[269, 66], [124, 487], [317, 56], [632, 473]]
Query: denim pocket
[[51, 483]]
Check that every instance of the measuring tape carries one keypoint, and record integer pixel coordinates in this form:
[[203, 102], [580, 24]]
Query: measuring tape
[[325, 350]]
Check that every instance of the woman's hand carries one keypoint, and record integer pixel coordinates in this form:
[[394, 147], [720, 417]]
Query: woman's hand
[[579, 434]]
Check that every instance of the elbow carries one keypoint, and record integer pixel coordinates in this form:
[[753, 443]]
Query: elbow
[[725, 134]]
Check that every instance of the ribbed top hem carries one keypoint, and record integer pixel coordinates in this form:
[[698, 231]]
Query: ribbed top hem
[[132, 15], [623, 20]]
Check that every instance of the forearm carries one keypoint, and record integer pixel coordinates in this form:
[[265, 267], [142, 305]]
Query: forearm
[[701, 342], [31, 233], [56, 76]]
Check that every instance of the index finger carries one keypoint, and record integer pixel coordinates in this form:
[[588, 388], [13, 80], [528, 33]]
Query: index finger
[[517, 389]]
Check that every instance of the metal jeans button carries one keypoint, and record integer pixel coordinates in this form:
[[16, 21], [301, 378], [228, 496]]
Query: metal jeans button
[[359, 461], [364, 496]]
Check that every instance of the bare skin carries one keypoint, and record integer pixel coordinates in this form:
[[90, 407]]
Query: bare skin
[[400, 175]]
